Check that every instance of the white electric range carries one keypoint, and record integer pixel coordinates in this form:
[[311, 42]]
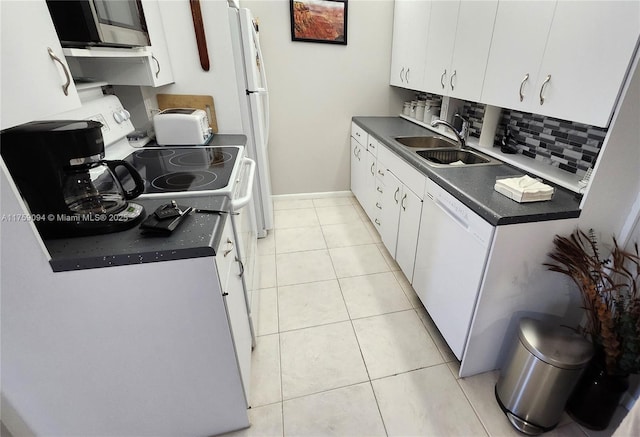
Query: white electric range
[[183, 171]]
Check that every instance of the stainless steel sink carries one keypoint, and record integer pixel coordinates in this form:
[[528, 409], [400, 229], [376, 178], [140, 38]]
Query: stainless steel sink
[[426, 142], [455, 157]]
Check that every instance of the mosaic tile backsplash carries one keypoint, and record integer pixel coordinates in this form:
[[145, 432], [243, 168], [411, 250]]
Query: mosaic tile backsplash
[[570, 146]]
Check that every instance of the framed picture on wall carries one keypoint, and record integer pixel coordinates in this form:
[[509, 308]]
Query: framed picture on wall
[[319, 21]]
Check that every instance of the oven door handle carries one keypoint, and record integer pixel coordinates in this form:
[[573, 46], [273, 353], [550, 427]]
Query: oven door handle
[[244, 199]]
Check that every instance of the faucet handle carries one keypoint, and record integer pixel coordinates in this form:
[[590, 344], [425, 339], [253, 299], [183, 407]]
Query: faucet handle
[[464, 129]]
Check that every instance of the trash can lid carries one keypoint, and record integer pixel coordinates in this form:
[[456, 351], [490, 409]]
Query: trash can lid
[[555, 345]]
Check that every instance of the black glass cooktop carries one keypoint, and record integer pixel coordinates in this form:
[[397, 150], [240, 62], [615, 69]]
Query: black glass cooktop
[[173, 169]]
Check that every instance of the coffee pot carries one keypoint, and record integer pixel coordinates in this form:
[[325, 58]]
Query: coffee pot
[[59, 169]]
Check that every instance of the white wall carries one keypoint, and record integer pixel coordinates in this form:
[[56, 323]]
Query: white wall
[[188, 75], [615, 185], [315, 89]]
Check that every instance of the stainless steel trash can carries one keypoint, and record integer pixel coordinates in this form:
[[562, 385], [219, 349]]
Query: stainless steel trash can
[[543, 367]]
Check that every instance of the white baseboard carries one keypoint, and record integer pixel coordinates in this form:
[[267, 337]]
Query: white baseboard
[[302, 196]]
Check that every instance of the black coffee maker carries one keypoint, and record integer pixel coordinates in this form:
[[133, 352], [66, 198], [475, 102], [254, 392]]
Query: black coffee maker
[[70, 189]]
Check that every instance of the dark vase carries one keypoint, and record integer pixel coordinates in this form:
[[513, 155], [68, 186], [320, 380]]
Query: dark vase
[[596, 396]]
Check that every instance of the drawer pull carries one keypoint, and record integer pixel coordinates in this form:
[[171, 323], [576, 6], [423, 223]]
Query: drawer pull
[[381, 173], [451, 80], [395, 195], [377, 222], [379, 189], [378, 205], [444, 74], [373, 165], [403, 199]]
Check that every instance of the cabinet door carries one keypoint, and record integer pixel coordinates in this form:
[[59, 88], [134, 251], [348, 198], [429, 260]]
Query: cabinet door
[[588, 53], [358, 167], [410, 24], [161, 73], [440, 44], [519, 38], [471, 51], [390, 210], [234, 298], [32, 81], [408, 230]]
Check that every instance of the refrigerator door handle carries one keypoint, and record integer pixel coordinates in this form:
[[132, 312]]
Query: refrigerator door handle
[[263, 77]]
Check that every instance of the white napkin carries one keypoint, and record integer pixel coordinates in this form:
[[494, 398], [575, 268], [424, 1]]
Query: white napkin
[[524, 189]]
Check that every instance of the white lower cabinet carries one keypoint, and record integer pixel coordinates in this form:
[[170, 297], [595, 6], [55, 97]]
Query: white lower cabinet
[[230, 272], [399, 207]]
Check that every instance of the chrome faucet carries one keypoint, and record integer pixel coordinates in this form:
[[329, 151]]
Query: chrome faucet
[[461, 135]]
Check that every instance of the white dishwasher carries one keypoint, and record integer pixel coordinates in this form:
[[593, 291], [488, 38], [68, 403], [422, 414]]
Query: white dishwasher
[[453, 245]]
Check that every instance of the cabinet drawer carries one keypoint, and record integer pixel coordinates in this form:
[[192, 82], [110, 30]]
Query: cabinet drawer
[[373, 145], [359, 134], [408, 175]]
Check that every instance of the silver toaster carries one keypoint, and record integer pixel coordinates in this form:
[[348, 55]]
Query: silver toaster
[[181, 126]]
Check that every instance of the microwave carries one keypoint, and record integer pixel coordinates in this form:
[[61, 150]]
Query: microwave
[[111, 23]]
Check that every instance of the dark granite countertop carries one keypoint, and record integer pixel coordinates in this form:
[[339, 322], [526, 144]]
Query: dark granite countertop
[[197, 236], [473, 185]]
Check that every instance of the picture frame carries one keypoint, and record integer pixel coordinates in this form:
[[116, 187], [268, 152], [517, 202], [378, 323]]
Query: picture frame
[[321, 21]]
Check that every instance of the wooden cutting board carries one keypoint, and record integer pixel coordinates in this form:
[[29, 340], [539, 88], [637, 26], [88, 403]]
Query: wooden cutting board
[[166, 101]]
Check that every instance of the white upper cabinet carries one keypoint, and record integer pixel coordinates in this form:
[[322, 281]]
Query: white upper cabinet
[[440, 43], [519, 39], [473, 39], [410, 24], [35, 80], [588, 53], [458, 47], [561, 59], [148, 66]]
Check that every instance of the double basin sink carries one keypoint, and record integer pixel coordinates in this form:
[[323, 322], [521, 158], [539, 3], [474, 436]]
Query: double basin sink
[[441, 152]]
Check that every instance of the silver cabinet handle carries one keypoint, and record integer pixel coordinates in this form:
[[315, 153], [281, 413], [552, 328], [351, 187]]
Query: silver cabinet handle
[[379, 189], [544, 84], [406, 75], [241, 266], [354, 152], [402, 204], [395, 195], [381, 173], [401, 73], [378, 205], [444, 74], [377, 222], [158, 64], [373, 165], [65, 87], [451, 80], [228, 251], [526, 78]]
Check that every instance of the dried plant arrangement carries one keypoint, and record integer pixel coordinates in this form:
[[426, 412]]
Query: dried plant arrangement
[[609, 289]]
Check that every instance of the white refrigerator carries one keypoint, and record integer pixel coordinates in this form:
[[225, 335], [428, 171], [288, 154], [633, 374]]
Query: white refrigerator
[[254, 108]]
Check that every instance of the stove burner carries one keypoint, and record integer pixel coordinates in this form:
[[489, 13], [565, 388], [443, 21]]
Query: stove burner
[[183, 180], [154, 154], [201, 158]]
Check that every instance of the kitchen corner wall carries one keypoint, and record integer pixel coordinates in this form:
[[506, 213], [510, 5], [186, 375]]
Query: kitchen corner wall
[[316, 88]]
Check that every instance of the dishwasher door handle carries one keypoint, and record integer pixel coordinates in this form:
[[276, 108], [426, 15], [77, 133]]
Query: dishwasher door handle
[[445, 208]]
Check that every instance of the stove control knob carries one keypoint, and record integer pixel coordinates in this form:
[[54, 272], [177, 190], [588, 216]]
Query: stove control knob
[[126, 114], [117, 116]]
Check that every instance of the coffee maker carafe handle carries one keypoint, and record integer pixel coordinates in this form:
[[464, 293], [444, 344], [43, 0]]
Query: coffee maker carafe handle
[[135, 191]]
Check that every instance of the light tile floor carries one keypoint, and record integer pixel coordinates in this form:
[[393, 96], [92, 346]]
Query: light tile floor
[[345, 347]]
